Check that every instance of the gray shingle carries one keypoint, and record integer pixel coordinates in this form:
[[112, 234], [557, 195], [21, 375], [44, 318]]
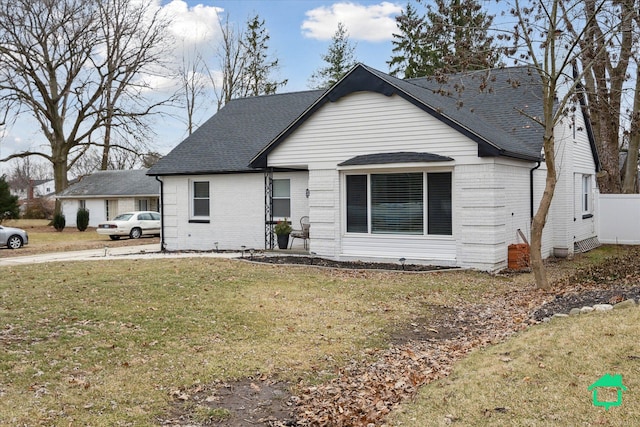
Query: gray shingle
[[400, 157], [228, 141], [249, 128], [122, 183]]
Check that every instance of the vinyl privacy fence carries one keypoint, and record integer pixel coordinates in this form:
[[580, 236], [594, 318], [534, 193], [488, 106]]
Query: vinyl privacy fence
[[619, 219]]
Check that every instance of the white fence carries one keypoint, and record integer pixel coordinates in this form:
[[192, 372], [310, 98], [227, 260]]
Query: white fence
[[619, 219]]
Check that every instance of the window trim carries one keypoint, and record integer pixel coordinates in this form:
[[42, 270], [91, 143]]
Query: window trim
[[193, 218], [586, 199], [373, 171], [274, 197]]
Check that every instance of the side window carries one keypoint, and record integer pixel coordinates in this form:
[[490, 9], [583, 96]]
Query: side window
[[155, 216], [200, 199], [282, 198], [586, 193]]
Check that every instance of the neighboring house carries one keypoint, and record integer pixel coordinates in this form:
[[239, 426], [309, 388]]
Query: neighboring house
[[34, 193], [385, 169], [35, 188], [108, 193]]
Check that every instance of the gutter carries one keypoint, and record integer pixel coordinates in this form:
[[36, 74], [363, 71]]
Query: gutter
[[531, 187], [162, 243]]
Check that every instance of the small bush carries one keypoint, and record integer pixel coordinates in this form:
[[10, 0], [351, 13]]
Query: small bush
[[59, 222], [82, 219]]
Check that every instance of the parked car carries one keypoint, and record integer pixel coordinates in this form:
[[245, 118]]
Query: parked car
[[13, 238], [132, 224]]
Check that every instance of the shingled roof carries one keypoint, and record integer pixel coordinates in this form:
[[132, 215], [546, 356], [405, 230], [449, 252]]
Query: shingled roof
[[113, 183], [241, 135]]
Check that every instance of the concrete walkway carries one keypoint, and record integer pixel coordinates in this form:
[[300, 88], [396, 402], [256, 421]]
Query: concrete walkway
[[123, 252]]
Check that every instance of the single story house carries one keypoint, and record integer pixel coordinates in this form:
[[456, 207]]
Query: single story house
[[108, 193], [384, 169]]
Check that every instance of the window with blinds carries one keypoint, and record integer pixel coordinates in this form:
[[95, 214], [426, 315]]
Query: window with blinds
[[394, 203], [397, 203]]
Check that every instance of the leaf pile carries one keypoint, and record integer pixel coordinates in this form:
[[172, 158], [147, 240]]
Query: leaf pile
[[363, 393]]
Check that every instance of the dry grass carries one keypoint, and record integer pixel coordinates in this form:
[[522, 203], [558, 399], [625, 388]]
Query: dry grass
[[107, 344], [540, 378]]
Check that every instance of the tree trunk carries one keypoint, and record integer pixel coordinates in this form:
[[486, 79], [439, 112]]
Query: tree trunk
[[631, 167], [59, 178], [540, 218]]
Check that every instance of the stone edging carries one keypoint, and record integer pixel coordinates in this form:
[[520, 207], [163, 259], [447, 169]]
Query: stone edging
[[596, 307]]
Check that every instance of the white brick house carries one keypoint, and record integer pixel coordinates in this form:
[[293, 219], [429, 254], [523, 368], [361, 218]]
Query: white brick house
[[385, 169]]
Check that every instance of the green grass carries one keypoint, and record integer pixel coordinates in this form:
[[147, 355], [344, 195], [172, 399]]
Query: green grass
[[540, 378], [106, 343]]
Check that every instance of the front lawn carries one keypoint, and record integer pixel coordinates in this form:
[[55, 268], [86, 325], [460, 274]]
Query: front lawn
[[96, 343], [132, 342]]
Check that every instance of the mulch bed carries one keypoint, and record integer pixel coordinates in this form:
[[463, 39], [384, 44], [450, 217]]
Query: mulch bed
[[353, 265], [365, 391]]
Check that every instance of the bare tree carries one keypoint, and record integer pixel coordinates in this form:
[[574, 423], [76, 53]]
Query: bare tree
[[134, 43], [56, 65], [606, 42], [542, 40], [193, 81], [630, 181], [231, 61]]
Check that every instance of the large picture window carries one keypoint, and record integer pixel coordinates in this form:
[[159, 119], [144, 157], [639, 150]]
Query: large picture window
[[394, 203], [201, 199], [281, 198]]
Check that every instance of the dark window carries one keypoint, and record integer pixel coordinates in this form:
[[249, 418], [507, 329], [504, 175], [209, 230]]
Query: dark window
[[439, 203], [201, 198], [357, 204]]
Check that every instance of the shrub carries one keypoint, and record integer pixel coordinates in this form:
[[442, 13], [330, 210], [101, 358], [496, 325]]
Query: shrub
[[282, 227], [39, 208], [82, 219], [59, 222]]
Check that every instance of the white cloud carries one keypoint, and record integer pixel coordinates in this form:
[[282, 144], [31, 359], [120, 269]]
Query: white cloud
[[195, 25], [372, 23]]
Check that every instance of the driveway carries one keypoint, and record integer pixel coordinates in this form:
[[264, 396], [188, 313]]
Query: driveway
[[132, 252]]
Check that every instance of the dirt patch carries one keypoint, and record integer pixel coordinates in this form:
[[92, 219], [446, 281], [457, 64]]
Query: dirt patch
[[251, 401]]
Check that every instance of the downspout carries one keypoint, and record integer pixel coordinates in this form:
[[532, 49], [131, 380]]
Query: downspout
[[162, 243], [531, 187]]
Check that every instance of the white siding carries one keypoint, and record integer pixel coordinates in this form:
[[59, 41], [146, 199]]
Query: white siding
[[97, 209], [237, 211], [366, 123]]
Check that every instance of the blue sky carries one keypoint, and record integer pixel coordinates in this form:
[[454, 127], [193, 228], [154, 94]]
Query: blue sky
[[300, 33], [301, 30]]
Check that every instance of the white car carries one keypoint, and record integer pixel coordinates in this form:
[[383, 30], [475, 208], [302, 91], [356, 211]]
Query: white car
[[13, 238], [132, 224]]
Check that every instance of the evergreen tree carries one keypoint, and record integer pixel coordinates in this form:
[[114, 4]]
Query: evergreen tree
[[457, 31], [411, 57], [452, 36], [258, 67], [9, 207], [340, 58]]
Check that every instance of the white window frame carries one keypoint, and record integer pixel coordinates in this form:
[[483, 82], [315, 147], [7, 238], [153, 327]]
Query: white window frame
[[425, 173], [274, 197], [586, 200], [193, 199]]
